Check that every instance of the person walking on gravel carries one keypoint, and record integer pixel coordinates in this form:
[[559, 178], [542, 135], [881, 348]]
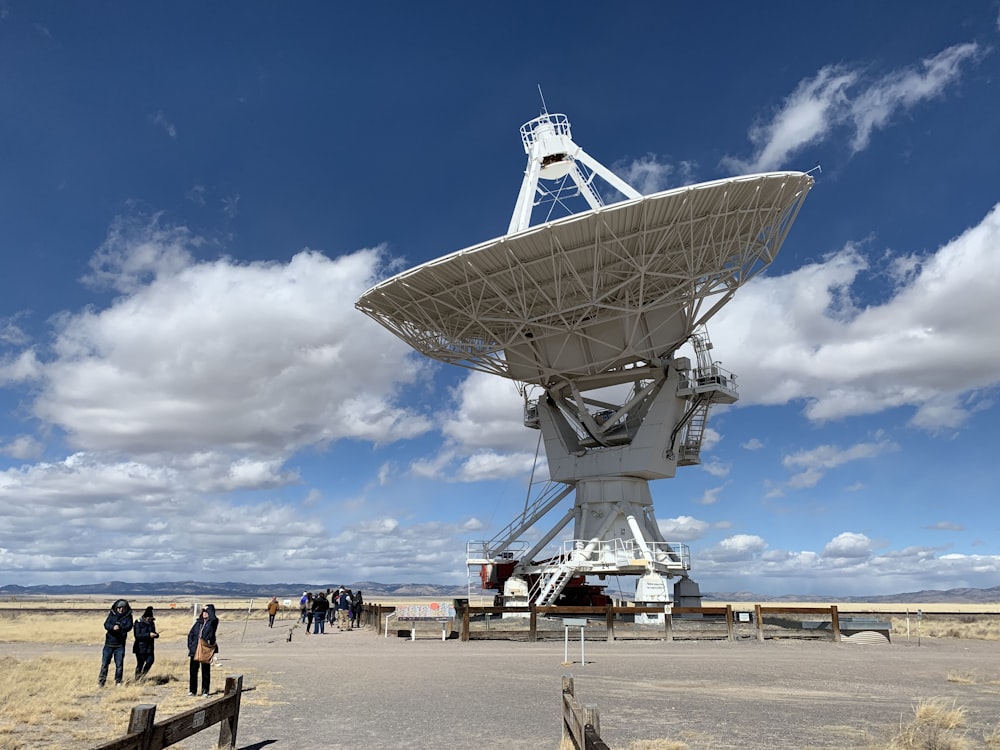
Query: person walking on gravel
[[303, 606], [357, 602]]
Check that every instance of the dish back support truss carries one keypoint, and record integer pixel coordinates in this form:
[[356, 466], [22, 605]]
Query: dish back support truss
[[592, 293]]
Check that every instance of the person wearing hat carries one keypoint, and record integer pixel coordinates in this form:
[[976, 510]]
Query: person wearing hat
[[116, 627], [145, 635]]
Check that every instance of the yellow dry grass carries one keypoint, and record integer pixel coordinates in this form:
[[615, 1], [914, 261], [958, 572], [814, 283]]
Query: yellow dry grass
[[69, 627], [975, 627], [937, 724], [54, 702], [944, 620], [962, 678]]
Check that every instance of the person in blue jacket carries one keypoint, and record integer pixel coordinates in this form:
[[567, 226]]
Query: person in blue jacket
[[204, 628], [145, 634], [116, 627]]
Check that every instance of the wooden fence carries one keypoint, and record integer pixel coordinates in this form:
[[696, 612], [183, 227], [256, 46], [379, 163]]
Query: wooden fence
[[620, 622], [581, 725], [713, 617], [144, 734]]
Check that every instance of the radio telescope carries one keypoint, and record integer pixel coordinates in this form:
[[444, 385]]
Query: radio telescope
[[587, 312]]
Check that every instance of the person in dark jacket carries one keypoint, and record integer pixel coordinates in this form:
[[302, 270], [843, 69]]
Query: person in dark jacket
[[357, 602], [116, 627], [320, 607], [145, 634], [204, 628]]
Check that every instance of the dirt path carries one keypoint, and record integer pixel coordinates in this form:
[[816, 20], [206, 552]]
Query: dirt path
[[357, 690]]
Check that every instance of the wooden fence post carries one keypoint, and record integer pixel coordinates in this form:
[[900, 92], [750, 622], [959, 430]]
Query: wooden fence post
[[592, 716], [730, 630], [760, 622], [141, 721], [465, 624], [668, 626], [144, 734], [592, 730], [533, 625], [229, 725], [567, 689], [581, 725], [835, 621], [609, 624]]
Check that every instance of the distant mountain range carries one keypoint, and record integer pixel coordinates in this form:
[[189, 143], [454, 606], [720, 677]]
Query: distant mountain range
[[928, 596], [374, 589], [232, 589]]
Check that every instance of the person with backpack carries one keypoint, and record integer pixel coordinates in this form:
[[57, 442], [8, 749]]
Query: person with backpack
[[343, 609]]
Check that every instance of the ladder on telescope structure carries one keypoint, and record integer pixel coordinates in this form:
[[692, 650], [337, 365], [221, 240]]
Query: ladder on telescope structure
[[694, 433], [553, 582]]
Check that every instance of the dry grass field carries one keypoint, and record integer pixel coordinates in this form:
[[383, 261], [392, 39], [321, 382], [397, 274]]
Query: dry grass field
[[49, 698], [947, 620]]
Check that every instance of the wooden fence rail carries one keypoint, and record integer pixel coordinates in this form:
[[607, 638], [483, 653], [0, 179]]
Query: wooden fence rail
[[581, 725], [723, 616], [607, 613], [144, 734], [721, 619]]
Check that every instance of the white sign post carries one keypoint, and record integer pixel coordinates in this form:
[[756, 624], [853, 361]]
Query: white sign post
[[569, 622]]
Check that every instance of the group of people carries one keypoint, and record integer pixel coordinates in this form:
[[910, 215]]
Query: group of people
[[120, 622], [117, 625], [342, 606]]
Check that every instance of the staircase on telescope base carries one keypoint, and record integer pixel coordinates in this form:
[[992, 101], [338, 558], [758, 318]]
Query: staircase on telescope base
[[694, 433], [552, 582]]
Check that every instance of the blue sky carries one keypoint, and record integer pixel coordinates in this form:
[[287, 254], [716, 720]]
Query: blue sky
[[192, 197]]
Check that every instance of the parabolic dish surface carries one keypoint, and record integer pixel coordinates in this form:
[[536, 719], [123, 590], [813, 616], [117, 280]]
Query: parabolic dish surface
[[596, 291]]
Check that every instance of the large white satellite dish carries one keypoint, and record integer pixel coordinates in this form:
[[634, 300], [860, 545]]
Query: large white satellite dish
[[574, 306]]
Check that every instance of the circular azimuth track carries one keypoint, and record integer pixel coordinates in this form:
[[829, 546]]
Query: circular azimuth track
[[597, 291]]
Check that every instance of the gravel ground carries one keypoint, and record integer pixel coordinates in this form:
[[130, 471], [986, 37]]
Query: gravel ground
[[355, 689], [358, 690]]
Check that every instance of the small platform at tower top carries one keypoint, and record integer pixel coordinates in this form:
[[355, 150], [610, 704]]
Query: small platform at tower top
[[415, 613]]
